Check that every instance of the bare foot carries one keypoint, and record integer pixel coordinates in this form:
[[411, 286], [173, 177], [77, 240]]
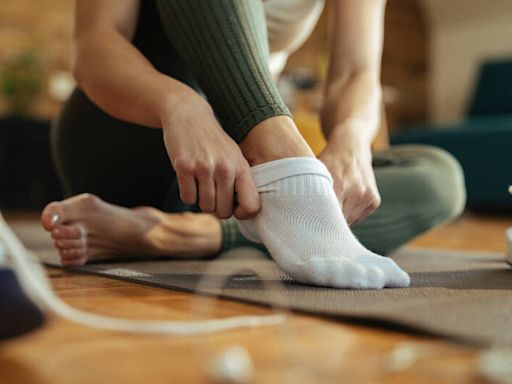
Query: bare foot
[[89, 229]]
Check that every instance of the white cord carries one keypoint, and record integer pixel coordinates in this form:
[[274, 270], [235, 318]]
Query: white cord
[[32, 278]]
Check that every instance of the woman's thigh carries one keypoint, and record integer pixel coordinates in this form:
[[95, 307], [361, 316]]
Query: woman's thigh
[[122, 163]]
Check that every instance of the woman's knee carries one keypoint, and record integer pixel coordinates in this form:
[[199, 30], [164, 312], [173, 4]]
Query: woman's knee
[[439, 181]]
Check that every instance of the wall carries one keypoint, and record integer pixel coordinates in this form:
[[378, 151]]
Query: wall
[[42, 27], [463, 33], [405, 65]]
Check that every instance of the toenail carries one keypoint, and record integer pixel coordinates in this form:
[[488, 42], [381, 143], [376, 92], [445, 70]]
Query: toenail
[[55, 218]]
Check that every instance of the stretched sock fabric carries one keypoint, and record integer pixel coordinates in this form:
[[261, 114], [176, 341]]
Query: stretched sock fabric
[[225, 43], [231, 237], [302, 226]]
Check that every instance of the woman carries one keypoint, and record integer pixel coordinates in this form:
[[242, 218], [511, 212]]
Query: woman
[[198, 74]]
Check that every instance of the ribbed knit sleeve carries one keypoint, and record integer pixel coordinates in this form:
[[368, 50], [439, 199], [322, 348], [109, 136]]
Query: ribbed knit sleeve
[[225, 43]]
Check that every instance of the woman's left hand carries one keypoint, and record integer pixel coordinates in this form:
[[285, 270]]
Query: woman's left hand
[[350, 163]]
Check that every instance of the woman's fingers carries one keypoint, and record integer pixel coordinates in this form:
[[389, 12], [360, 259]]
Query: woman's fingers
[[247, 196], [357, 214], [188, 188], [224, 181], [206, 193], [349, 206], [356, 209]]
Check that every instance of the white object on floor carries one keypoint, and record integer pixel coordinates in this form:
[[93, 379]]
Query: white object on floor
[[303, 227], [402, 357], [3, 256], [232, 365], [508, 234], [34, 282], [495, 365]]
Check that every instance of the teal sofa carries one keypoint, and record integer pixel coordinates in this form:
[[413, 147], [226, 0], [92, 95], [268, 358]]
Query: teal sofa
[[482, 142]]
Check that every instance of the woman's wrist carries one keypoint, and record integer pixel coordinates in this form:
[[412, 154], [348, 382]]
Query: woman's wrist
[[178, 102], [352, 108], [353, 131]]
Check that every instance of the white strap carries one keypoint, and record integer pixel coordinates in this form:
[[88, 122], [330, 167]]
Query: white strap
[[32, 277]]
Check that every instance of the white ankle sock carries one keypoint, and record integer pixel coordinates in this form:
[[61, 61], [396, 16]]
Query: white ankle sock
[[302, 226]]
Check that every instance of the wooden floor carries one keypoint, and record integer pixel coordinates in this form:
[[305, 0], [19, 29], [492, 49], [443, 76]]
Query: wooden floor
[[315, 351]]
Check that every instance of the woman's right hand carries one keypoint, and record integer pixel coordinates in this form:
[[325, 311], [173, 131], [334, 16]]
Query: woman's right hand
[[208, 163]]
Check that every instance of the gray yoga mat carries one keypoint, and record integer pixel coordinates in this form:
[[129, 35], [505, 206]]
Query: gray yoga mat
[[460, 295]]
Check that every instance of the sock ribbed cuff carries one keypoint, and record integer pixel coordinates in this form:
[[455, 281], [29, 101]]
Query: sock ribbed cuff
[[275, 170]]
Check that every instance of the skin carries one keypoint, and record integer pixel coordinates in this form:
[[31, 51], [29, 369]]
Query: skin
[[351, 114], [210, 166]]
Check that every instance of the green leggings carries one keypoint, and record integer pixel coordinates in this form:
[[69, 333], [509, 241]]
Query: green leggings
[[219, 47]]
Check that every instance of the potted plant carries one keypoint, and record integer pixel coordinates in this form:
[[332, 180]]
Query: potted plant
[[27, 176]]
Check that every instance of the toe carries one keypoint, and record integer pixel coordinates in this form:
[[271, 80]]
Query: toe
[[69, 243], [68, 232], [78, 262], [73, 257], [73, 253], [52, 214], [69, 210]]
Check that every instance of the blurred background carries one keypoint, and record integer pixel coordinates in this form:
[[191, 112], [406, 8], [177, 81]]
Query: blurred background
[[446, 74]]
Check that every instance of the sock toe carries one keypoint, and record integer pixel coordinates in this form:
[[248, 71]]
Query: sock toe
[[338, 273], [375, 277], [400, 279], [396, 276]]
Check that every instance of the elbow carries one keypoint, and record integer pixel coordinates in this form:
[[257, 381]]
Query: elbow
[[78, 70], [82, 62]]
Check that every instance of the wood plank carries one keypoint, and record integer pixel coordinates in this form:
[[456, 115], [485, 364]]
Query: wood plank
[[328, 350]]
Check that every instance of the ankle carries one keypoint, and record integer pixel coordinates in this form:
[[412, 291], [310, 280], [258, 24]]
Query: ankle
[[186, 234], [273, 139]]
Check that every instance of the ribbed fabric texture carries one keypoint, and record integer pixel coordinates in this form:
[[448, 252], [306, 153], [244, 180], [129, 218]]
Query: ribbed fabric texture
[[225, 43], [303, 228]]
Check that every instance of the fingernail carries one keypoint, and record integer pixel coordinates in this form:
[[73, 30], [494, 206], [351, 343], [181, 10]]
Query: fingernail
[[55, 219]]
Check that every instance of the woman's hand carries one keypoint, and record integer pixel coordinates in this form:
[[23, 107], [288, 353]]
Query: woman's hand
[[208, 163], [350, 163]]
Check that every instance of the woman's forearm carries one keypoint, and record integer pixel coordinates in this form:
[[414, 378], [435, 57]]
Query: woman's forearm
[[352, 106], [352, 100], [121, 81]]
